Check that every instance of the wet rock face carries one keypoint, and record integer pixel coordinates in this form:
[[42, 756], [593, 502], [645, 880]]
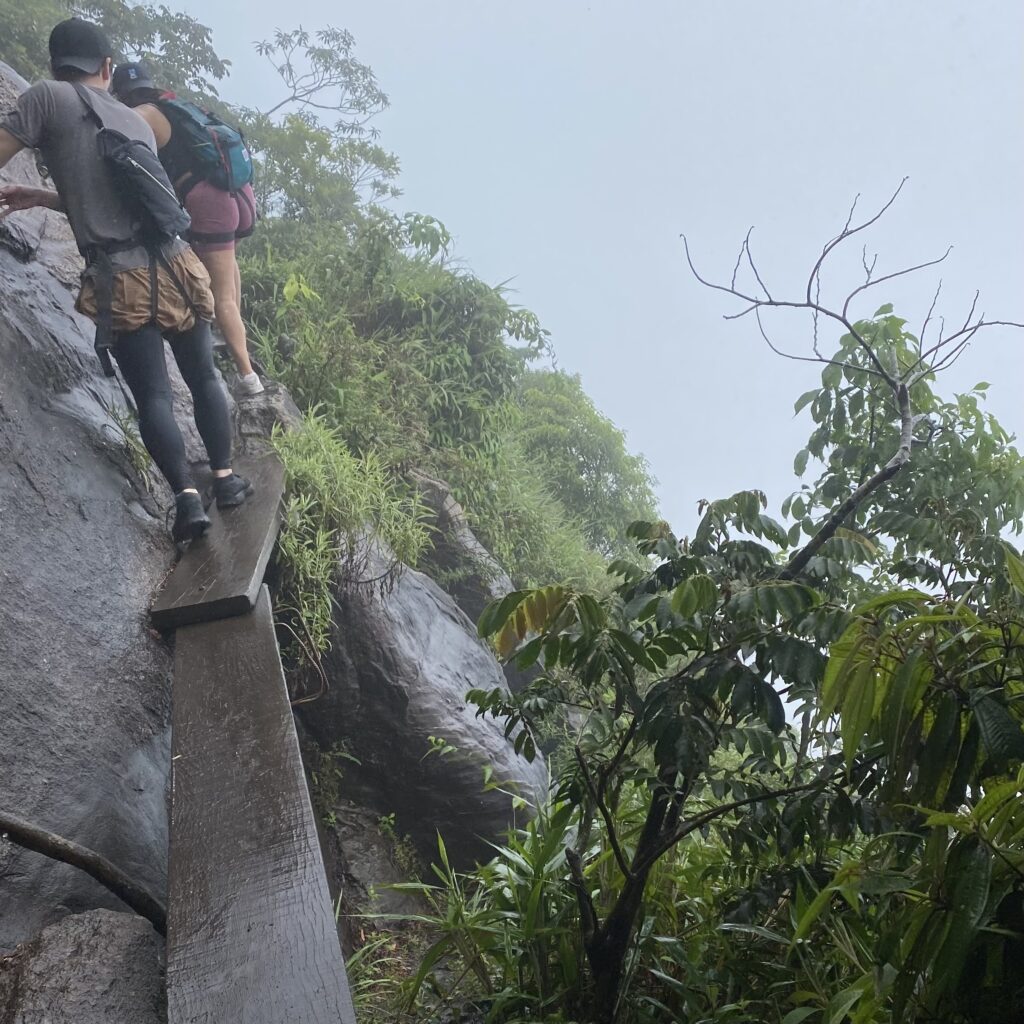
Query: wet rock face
[[93, 968], [399, 672], [84, 684]]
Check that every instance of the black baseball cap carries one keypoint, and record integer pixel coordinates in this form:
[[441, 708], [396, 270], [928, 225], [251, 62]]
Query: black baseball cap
[[129, 77], [80, 44]]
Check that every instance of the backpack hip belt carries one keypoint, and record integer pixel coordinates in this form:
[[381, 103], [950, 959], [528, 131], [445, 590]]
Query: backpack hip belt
[[98, 261]]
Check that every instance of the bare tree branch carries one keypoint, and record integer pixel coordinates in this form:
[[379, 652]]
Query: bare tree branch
[[809, 359], [754, 302], [948, 348], [888, 277], [31, 837], [960, 338], [847, 232]]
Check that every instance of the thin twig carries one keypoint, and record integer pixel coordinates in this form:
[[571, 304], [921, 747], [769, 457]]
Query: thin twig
[[846, 233], [928, 318], [753, 266], [888, 277]]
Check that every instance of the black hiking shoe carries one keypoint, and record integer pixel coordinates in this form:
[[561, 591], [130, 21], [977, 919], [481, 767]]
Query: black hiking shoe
[[231, 490], [190, 520]]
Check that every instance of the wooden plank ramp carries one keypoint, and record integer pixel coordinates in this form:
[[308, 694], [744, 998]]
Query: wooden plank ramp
[[251, 935], [220, 575]]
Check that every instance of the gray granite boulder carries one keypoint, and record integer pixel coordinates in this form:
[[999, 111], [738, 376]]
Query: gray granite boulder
[[401, 665], [92, 968]]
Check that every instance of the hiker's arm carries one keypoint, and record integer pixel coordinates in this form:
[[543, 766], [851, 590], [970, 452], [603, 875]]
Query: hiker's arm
[[156, 120], [21, 197], [25, 197], [9, 145]]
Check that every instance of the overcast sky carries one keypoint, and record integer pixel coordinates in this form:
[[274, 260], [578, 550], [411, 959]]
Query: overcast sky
[[567, 144]]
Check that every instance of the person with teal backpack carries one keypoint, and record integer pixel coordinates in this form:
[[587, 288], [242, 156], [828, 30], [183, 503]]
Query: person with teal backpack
[[211, 168]]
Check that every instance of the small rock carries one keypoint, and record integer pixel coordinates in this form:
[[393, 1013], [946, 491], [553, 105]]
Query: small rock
[[99, 967]]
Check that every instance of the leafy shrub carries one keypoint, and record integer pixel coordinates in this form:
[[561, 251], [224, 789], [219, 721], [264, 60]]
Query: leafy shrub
[[423, 367], [333, 500]]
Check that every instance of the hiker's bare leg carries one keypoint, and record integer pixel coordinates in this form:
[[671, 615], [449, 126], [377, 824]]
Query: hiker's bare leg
[[225, 283]]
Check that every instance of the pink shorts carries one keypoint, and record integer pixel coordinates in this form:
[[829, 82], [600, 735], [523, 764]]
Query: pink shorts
[[219, 218]]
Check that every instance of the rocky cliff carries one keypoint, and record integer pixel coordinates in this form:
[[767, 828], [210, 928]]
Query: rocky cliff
[[84, 680]]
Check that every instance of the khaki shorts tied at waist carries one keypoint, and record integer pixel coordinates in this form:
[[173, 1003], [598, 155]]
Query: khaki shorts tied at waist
[[131, 307]]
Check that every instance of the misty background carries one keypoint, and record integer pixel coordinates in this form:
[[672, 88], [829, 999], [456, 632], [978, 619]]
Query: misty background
[[566, 145]]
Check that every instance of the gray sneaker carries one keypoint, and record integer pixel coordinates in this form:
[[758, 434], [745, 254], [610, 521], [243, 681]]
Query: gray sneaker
[[250, 384]]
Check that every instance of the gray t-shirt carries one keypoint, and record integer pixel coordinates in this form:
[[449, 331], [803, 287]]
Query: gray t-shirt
[[51, 117]]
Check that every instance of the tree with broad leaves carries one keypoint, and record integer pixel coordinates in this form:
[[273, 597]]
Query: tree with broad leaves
[[887, 621], [178, 47], [316, 150], [581, 457]]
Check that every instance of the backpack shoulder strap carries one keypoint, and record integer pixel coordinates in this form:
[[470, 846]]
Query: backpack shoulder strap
[[83, 95], [180, 107], [190, 111]]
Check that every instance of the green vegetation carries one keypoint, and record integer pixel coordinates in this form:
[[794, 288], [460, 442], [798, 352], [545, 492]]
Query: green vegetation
[[177, 46], [422, 366], [795, 790], [335, 503], [124, 427], [582, 459]]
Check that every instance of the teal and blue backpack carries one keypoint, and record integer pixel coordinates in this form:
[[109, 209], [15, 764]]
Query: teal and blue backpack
[[216, 151]]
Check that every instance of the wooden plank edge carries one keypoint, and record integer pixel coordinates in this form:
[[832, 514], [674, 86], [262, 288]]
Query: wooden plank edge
[[172, 616]]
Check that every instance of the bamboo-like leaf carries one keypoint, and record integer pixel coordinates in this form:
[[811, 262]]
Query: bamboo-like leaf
[[857, 709], [800, 1014], [994, 799], [971, 870], [816, 908], [495, 615], [845, 656]]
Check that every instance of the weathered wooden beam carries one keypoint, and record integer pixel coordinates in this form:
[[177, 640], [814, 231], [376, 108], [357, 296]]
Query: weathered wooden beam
[[220, 575], [251, 935]]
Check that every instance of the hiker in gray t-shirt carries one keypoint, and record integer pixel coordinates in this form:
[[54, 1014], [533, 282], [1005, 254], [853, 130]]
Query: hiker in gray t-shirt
[[59, 119], [50, 116]]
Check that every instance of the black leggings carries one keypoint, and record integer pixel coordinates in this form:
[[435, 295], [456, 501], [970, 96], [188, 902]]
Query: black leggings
[[140, 356]]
